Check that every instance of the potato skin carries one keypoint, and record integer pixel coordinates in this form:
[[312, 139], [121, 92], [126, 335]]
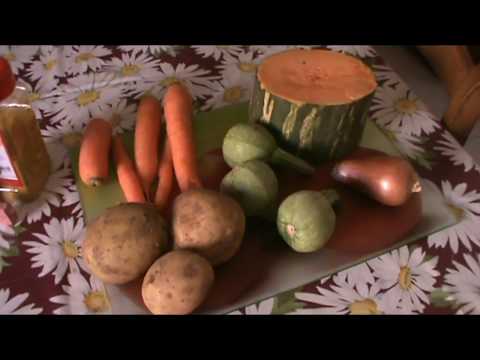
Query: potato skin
[[177, 283], [122, 243], [209, 223]]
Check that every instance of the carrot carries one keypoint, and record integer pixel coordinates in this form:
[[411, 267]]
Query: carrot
[[95, 152], [126, 173], [178, 110], [147, 137], [165, 177]]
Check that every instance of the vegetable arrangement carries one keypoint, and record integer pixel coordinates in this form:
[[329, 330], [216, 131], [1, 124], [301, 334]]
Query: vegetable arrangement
[[131, 239], [178, 258]]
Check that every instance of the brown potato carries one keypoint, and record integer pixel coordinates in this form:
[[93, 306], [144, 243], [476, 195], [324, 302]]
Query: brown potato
[[122, 243], [177, 283], [209, 223]]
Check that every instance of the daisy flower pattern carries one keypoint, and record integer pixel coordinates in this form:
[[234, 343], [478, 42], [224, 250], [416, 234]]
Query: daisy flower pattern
[[450, 148], [386, 74], [152, 49], [344, 298], [18, 56], [84, 96], [410, 146], [13, 306], [80, 59], [228, 91], [263, 308], [463, 282], [399, 109], [407, 276], [242, 66], [57, 185], [217, 51], [47, 70], [121, 114], [82, 297], [59, 249], [132, 68], [59, 139], [466, 208], [362, 51], [267, 50], [72, 197], [6, 234], [43, 101], [357, 274], [198, 81]]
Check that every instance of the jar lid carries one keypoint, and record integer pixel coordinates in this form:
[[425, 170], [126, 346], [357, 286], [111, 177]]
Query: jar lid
[[7, 79]]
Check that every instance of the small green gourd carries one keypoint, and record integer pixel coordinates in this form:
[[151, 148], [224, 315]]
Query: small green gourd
[[306, 219], [244, 142], [254, 185]]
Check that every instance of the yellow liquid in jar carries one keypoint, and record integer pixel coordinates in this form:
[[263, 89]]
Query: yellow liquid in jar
[[26, 149]]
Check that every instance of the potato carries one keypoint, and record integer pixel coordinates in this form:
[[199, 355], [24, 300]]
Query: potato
[[177, 283], [209, 223], [122, 243]]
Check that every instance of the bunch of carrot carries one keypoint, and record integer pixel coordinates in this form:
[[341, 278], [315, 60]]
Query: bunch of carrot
[[136, 178]]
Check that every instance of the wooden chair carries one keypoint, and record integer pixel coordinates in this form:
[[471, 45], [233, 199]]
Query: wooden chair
[[459, 69]]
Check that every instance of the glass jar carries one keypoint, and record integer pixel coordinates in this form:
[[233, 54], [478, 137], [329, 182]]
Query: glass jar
[[24, 160]]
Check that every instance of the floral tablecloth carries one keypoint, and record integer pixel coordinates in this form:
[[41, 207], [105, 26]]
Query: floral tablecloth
[[41, 267]]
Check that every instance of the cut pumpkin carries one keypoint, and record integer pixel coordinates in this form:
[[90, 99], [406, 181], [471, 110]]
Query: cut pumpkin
[[315, 102]]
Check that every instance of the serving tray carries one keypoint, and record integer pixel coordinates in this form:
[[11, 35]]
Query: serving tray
[[265, 266]]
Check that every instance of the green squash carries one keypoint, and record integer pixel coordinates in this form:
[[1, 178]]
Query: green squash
[[254, 185], [245, 142], [306, 219]]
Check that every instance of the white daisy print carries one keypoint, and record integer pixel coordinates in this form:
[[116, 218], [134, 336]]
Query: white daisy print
[[84, 96], [266, 50], [407, 276], [362, 51], [132, 68], [59, 249], [121, 114], [82, 297], [386, 74], [80, 59], [6, 234], [410, 146], [263, 308], [73, 197], [466, 207], [55, 188], [47, 70], [42, 105], [269, 49], [152, 49], [14, 306], [217, 51], [399, 109], [463, 283], [244, 65], [457, 154], [59, 139], [228, 91], [358, 274], [18, 56], [198, 81], [344, 298]]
